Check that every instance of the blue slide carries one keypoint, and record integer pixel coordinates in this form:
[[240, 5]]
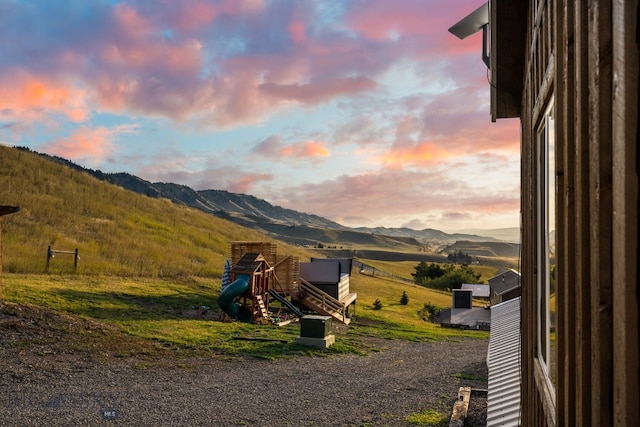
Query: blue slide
[[226, 299], [284, 301]]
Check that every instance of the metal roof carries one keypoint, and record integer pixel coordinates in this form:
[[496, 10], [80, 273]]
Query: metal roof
[[504, 282], [479, 291], [503, 362]]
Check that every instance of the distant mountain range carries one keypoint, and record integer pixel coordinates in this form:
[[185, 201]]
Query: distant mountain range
[[285, 224]]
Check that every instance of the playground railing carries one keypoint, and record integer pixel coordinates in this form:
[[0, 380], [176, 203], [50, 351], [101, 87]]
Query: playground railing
[[325, 301]]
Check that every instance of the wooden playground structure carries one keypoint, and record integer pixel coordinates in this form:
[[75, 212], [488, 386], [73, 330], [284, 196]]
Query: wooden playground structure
[[259, 276]]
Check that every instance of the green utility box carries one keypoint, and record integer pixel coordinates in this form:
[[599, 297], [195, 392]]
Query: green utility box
[[313, 326]]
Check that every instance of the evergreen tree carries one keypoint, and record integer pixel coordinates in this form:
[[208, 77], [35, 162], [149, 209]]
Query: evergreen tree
[[404, 299]]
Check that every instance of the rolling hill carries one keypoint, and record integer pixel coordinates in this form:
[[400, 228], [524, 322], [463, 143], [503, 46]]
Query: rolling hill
[[288, 225], [115, 230]]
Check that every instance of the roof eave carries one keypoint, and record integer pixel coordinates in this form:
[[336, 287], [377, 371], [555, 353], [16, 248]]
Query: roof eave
[[508, 23]]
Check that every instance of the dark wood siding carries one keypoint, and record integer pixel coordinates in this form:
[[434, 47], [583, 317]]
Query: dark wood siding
[[584, 54]]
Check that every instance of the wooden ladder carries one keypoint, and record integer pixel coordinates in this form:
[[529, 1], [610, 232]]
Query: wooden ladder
[[263, 309]]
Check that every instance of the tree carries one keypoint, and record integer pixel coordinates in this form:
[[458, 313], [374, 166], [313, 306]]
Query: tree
[[459, 257], [425, 272], [404, 299], [452, 277]]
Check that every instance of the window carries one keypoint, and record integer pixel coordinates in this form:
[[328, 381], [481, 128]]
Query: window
[[546, 232]]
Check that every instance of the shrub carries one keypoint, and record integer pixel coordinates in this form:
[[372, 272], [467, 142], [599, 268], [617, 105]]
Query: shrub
[[429, 312], [377, 304], [404, 299]]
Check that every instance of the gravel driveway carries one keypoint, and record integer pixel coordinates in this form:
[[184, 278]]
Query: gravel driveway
[[380, 389]]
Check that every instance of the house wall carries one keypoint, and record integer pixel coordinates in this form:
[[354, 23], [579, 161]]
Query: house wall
[[497, 299], [514, 293], [583, 57], [494, 299]]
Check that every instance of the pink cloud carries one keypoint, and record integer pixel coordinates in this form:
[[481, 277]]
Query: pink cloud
[[174, 59], [307, 149], [130, 23], [381, 20], [165, 60], [422, 153], [297, 32], [414, 25], [274, 149], [195, 14], [315, 93], [396, 193], [235, 99], [85, 143], [27, 97], [246, 183]]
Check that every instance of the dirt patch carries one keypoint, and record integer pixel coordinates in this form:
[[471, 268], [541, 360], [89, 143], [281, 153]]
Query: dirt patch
[[33, 329]]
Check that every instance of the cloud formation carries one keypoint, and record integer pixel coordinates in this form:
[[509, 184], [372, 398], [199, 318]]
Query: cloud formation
[[372, 108], [273, 148], [92, 145]]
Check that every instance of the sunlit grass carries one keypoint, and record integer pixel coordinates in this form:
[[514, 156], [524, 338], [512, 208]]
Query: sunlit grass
[[428, 418], [401, 321], [405, 268], [155, 310]]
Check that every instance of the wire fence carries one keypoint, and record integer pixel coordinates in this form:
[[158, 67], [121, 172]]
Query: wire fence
[[373, 271]]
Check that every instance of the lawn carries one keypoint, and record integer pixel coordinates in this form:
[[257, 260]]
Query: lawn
[[182, 314]]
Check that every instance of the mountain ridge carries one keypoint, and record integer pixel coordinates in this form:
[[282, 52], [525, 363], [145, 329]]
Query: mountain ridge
[[250, 211]]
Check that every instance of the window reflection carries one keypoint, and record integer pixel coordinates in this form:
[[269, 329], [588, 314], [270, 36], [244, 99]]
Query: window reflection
[[547, 246]]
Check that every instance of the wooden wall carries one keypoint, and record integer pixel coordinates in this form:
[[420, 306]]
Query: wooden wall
[[287, 267], [585, 54]]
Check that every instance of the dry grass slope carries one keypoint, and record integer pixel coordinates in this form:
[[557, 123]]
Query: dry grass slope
[[117, 232], [485, 249]]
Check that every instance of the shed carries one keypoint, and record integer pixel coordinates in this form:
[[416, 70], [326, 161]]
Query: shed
[[505, 286], [478, 290], [324, 284], [462, 298], [327, 276]]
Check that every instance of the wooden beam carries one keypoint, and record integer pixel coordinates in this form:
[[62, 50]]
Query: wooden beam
[[461, 407], [626, 321]]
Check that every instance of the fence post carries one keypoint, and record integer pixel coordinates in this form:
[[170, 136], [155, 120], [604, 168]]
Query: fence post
[[75, 260], [48, 257]]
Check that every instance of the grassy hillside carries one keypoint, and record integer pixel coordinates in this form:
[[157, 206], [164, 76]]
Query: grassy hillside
[[116, 232], [485, 249], [405, 268]]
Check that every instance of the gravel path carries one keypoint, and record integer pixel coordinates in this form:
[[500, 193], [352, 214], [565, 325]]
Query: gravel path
[[380, 389]]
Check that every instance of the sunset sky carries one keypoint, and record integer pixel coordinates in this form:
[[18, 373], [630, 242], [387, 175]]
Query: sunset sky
[[366, 112]]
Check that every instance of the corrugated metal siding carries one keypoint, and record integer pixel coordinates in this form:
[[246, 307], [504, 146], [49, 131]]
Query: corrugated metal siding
[[503, 362]]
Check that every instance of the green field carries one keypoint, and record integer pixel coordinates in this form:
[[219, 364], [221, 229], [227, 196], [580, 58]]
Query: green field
[[154, 315]]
